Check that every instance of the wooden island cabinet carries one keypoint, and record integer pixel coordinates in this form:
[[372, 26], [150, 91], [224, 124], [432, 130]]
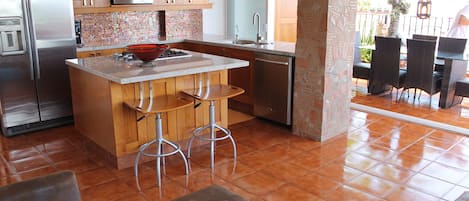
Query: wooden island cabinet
[[101, 85], [241, 77]]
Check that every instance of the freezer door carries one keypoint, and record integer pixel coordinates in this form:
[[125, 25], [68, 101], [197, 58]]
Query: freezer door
[[54, 42], [18, 100]]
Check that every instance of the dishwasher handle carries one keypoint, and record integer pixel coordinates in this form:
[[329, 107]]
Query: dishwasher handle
[[273, 62]]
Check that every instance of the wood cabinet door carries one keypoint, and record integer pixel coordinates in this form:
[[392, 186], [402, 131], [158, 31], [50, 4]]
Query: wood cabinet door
[[163, 2], [86, 54], [98, 53], [91, 3], [100, 3], [242, 77], [111, 51], [79, 3], [209, 49], [285, 20], [188, 2]]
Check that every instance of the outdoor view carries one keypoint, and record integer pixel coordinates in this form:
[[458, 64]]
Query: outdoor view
[[374, 17]]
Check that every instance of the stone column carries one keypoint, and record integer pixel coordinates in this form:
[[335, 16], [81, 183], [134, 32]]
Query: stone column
[[323, 72]]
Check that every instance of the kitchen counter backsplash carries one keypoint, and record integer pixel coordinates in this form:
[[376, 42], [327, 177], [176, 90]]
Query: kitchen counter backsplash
[[102, 29], [184, 23], [109, 29]]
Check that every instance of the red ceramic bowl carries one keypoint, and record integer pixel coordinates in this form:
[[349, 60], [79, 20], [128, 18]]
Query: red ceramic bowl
[[147, 52]]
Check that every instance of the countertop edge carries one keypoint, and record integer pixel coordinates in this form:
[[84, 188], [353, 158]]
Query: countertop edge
[[175, 73], [71, 63]]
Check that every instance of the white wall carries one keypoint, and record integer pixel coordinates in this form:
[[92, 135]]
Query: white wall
[[270, 20], [240, 14], [214, 20]]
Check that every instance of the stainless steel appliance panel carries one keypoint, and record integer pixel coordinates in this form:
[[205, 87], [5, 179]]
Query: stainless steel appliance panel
[[18, 98], [52, 20], [273, 87], [34, 87], [53, 84], [54, 40]]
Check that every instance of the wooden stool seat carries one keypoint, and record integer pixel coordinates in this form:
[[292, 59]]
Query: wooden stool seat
[[160, 104], [214, 92]]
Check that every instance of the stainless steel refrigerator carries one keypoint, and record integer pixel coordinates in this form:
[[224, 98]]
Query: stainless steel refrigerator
[[36, 37]]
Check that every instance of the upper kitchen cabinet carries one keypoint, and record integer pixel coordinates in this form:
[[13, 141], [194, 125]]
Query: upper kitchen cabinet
[[179, 2], [91, 3]]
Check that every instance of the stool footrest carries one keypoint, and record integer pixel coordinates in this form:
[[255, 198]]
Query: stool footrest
[[198, 133], [175, 146]]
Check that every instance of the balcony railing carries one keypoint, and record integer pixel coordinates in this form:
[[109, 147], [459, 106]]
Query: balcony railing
[[368, 23]]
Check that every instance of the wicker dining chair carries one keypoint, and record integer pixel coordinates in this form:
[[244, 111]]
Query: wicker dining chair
[[449, 45], [385, 65], [420, 67]]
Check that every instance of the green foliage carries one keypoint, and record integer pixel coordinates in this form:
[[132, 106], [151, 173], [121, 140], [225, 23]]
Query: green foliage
[[366, 55], [363, 5], [399, 7], [367, 39]]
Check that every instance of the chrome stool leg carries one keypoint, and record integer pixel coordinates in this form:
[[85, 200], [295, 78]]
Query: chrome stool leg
[[160, 155], [213, 138]]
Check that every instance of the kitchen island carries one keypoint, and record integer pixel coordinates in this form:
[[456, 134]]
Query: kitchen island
[[101, 85]]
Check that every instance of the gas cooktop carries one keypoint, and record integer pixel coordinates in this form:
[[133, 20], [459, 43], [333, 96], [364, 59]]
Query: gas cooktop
[[168, 54]]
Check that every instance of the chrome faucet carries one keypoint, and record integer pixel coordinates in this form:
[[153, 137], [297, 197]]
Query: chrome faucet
[[259, 37]]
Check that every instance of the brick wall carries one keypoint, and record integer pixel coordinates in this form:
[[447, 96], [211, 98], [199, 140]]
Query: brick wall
[[120, 28]]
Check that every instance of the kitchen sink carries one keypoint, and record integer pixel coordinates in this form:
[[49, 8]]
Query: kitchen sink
[[244, 42]]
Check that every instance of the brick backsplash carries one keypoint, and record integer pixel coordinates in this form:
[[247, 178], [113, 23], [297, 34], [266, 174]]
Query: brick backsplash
[[120, 28], [184, 24]]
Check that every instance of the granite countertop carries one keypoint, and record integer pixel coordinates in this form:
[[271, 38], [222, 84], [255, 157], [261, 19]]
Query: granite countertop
[[278, 48], [119, 71]]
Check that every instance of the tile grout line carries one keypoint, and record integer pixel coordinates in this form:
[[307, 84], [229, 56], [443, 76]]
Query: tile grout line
[[411, 119]]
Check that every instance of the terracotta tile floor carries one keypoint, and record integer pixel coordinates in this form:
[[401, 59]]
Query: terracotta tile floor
[[377, 159], [457, 115]]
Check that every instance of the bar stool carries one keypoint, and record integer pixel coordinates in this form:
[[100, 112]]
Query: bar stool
[[158, 105], [212, 93]]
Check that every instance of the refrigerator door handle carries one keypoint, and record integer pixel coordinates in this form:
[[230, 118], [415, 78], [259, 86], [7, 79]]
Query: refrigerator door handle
[[28, 40], [33, 38]]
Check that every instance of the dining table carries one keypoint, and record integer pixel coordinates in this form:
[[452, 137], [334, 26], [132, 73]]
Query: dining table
[[455, 68]]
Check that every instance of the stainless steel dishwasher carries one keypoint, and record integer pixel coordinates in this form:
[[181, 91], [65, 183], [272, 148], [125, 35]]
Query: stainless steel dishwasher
[[273, 76]]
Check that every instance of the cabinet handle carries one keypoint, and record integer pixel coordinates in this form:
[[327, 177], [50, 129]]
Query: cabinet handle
[[190, 1], [92, 2], [173, 1], [84, 3], [272, 62], [167, 1]]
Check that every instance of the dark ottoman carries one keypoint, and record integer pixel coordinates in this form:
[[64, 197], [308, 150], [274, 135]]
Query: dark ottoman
[[211, 193]]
